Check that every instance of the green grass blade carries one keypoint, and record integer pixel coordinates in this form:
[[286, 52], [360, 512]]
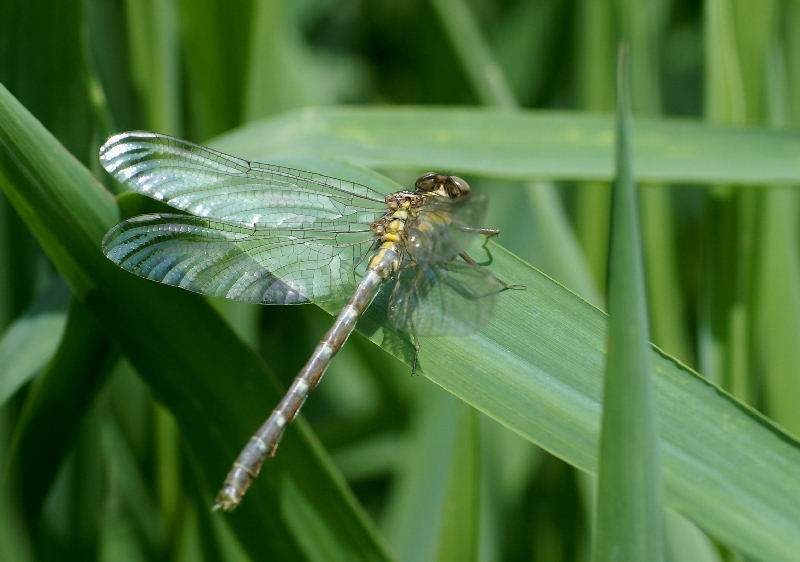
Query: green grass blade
[[729, 221], [54, 408], [684, 541], [484, 73], [565, 260], [44, 64], [537, 367], [215, 47], [412, 520], [629, 522], [521, 351], [564, 145], [595, 92], [27, 176], [18, 261], [83, 509], [277, 56], [15, 542], [154, 58], [30, 341], [777, 283], [130, 486], [460, 534], [640, 24], [724, 92]]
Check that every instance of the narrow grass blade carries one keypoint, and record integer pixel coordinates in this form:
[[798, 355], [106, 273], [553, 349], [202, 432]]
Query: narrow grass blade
[[485, 75], [629, 510], [215, 41], [55, 406], [276, 56], [777, 283], [460, 534], [640, 24], [15, 541], [564, 260], [413, 518], [154, 58]]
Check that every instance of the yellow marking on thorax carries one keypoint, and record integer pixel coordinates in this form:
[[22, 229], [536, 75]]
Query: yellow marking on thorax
[[392, 228], [396, 224]]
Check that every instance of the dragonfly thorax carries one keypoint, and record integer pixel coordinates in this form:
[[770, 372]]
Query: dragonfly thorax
[[401, 231], [403, 205], [390, 230]]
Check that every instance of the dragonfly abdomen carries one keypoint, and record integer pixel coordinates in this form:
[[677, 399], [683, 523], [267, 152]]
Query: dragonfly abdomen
[[265, 441]]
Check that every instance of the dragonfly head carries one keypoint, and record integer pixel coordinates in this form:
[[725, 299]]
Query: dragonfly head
[[440, 184]]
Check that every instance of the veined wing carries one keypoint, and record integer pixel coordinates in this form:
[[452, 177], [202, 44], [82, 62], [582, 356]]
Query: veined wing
[[443, 299], [207, 183], [238, 262], [446, 227]]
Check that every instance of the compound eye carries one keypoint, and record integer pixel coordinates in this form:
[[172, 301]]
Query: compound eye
[[427, 181], [457, 186]]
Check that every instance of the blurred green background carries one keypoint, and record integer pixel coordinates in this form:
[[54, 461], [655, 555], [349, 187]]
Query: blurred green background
[[95, 465]]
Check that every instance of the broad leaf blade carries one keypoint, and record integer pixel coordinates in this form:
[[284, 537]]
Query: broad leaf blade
[[537, 368], [564, 145]]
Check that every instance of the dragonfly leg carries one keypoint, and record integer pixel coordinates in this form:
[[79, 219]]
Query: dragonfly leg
[[466, 258], [404, 303], [505, 285]]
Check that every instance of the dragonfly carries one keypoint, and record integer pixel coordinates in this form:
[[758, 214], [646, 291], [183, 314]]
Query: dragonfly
[[270, 234]]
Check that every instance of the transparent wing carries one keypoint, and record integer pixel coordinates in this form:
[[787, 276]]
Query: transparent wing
[[211, 184], [444, 299], [445, 228], [236, 261]]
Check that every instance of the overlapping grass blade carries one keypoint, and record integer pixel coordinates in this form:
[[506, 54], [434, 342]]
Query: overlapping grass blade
[[629, 510], [565, 145]]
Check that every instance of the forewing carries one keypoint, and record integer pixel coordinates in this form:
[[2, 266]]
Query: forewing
[[445, 299], [446, 227], [207, 183], [238, 262]]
